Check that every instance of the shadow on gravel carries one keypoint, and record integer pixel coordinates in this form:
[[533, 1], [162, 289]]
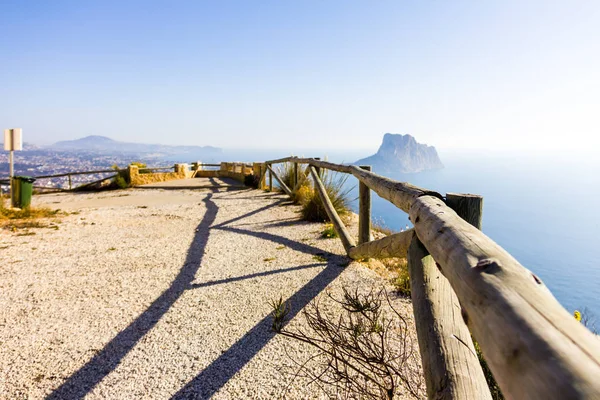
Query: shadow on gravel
[[87, 377], [256, 275], [219, 372]]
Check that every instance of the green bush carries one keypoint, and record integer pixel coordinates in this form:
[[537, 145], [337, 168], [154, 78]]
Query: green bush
[[121, 181]]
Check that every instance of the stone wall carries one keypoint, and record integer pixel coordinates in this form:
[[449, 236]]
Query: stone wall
[[181, 171]]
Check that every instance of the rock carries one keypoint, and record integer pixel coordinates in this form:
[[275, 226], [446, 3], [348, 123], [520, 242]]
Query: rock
[[402, 153]]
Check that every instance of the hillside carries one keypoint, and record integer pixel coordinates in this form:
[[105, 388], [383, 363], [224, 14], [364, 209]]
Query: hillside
[[105, 144]]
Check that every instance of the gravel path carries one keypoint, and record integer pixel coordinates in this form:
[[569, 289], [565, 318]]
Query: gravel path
[[163, 294]]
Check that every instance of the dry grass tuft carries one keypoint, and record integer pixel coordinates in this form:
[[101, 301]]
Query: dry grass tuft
[[27, 218]]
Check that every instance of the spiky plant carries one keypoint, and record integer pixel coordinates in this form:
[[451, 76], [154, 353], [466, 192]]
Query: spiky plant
[[312, 205]]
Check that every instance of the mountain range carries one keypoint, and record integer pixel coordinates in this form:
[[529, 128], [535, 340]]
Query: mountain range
[[402, 153], [104, 144]]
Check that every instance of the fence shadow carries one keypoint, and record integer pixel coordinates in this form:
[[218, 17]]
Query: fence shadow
[[87, 377]]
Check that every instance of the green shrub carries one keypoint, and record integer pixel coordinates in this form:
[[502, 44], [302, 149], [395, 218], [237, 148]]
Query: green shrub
[[312, 206], [329, 232], [121, 182]]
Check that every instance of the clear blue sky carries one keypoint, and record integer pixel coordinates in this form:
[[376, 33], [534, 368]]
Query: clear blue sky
[[455, 74]]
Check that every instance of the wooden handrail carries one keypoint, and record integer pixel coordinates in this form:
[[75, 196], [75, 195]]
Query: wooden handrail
[[534, 347], [77, 173]]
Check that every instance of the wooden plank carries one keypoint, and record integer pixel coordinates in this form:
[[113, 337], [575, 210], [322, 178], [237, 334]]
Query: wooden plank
[[364, 210], [450, 364], [395, 245], [534, 347], [270, 178], [283, 185], [338, 225]]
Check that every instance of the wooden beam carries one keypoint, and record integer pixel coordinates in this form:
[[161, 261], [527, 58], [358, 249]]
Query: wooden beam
[[534, 347], [364, 210], [450, 364], [338, 225], [395, 245], [270, 178], [283, 185]]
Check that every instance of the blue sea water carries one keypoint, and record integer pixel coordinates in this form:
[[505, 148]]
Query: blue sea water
[[544, 210]]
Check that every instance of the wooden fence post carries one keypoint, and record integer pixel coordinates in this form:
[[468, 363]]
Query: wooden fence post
[[318, 169], [450, 364], [70, 184], [295, 179], [364, 210], [468, 206], [270, 178]]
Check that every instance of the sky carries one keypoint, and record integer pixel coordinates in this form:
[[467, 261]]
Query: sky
[[495, 75]]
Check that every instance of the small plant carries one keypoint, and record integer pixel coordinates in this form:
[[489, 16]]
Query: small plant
[[587, 318], [361, 352], [280, 247], [112, 249], [319, 258], [329, 232], [269, 259]]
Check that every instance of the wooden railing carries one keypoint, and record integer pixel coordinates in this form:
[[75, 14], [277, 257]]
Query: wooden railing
[[464, 284], [69, 176]]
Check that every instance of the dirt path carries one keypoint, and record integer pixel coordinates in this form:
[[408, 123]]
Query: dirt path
[[163, 294]]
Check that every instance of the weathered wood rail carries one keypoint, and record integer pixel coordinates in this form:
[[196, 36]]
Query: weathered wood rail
[[464, 284]]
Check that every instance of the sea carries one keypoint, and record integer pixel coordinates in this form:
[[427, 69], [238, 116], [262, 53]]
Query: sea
[[544, 209]]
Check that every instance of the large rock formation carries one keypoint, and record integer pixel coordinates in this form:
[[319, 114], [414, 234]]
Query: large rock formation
[[402, 153]]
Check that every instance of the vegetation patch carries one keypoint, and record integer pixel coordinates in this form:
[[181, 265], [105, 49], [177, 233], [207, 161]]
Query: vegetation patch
[[361, 352], [329, 232], [14, 219]]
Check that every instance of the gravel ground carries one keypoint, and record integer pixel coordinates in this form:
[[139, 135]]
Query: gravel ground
[[164, 294]]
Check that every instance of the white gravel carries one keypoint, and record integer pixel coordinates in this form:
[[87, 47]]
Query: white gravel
[[156, 294]]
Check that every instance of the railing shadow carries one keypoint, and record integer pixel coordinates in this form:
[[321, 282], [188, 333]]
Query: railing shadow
[[221, 370], [88, 376]]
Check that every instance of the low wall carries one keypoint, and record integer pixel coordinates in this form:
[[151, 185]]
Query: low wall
[[135, 178]]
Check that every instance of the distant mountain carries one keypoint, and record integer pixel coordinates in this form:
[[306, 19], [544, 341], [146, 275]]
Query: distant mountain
[[103, 144], [402, 153]]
